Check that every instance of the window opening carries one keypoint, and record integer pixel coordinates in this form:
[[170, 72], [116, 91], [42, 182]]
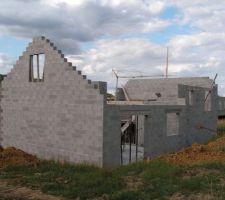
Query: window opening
[[37, 63]]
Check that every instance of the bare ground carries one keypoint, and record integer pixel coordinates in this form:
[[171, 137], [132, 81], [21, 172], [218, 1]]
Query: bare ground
[[9, 192]]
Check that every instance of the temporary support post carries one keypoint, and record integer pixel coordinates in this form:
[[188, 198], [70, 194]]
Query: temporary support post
[[121, 148], [130, 147], [116, 96], [136, 138], [214, 81]]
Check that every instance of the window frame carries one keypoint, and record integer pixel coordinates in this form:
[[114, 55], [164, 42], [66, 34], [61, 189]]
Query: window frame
[[31, 68]]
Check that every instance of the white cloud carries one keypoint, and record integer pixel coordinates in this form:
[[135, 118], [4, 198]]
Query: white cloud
[[156, 25], [128, 56], [205, 15], [6, 63], [201, 54], [72, 22], [69, 2], [156, 7]]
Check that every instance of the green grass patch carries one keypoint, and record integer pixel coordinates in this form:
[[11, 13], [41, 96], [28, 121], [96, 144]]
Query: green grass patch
[[70, 181], [154, 180]]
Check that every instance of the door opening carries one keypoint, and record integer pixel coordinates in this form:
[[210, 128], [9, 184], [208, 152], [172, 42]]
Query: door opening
[[132, 139]]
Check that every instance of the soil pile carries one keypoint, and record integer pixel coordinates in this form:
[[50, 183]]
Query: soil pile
[[13, 156], [198, 154]]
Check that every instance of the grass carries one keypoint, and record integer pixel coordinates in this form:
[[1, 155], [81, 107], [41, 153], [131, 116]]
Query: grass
[[66, 180], [154, 180]]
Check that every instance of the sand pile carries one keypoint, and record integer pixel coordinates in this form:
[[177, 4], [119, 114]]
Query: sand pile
[[198, 154], [13, 156]]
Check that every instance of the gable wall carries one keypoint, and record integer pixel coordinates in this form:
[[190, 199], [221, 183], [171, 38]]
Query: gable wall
[[60, 118]]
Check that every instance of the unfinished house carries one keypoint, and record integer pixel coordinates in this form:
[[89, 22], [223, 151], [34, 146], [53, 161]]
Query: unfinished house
[[49, 109], [170, 113]]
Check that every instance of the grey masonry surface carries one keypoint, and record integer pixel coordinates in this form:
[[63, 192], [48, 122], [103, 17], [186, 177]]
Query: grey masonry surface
[[174, 99], [221, 106], [1, 121], [146, 89], [156, 141]]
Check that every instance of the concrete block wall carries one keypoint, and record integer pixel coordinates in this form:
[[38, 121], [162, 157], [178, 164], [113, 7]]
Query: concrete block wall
[[221, 107], [156, 140], [112, 136], [191, 117], [146, 89], [197, 115], [221, 104], [0, 114], [60, 118]]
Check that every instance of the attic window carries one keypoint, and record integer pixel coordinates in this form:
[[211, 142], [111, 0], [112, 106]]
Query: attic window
[[37, 62]]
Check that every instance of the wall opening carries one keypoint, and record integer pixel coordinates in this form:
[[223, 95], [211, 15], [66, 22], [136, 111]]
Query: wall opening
[[172, 123], [37, 64], [132, 139]]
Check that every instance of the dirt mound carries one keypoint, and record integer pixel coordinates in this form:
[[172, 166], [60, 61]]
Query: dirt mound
[[198, 154], [13, 156]]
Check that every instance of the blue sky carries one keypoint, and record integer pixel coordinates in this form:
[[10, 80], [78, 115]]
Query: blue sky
[[13, 46], [169, 13], [98, 35]]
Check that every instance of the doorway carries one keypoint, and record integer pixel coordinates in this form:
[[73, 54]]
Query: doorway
[[132, 139]]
